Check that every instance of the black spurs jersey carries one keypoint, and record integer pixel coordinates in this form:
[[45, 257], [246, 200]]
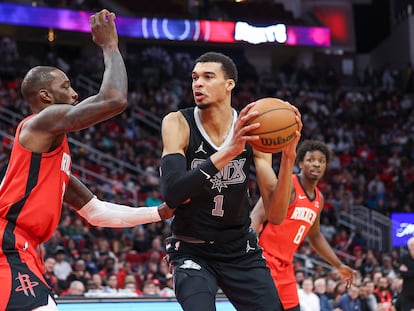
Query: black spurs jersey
[[220, 210]]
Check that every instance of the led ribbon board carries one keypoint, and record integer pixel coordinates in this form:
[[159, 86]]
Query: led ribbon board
[[168, 29]]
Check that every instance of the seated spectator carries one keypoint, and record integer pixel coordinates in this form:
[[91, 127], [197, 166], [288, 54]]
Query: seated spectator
[[327, 229], [320, 291], [151, 288], [168, 290], [76, 289], [79, 273], [383, 294], [62, 267], [308, 300], [90, 263], [49, 275], [111, 284], [98, 281], [350, 301], [131, 285]]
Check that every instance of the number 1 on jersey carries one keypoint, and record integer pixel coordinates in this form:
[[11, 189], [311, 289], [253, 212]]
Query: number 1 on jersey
[[218, 206]]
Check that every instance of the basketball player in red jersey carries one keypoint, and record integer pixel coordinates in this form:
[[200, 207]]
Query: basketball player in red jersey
[[38, 178], [280, 242]]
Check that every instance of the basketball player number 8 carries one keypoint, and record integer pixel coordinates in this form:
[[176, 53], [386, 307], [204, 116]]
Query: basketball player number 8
[[299, 235], [218, 206]]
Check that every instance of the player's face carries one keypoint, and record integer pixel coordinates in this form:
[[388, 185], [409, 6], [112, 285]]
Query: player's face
[[209, 84], [61, 89], [313, 165]]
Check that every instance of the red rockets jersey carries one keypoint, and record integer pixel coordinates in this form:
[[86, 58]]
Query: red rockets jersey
[[31, 192], [282, 241]]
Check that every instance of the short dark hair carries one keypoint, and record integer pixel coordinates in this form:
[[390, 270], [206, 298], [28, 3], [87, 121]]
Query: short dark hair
[[312, 145], [39, 77], [228, 66]]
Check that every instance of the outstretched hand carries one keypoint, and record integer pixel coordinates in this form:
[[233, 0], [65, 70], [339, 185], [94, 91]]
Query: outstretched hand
[[103, 28], [347, 274]]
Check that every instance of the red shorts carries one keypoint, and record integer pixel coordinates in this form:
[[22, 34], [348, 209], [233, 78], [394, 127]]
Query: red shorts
[[21, 271], [285, 281]]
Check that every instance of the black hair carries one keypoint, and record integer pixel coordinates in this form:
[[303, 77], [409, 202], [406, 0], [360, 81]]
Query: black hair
[[312, 145], [228, 66]]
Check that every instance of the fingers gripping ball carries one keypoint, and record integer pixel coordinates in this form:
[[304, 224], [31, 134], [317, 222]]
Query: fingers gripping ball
[[277, 125]]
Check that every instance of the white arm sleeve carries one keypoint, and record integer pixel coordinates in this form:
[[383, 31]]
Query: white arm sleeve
[[106, 214]]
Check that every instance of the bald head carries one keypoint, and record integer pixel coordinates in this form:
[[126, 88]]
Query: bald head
[[39, 77]]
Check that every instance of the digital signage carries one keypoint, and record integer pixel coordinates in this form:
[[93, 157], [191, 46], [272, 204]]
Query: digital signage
[[402, 228], [169, 29]]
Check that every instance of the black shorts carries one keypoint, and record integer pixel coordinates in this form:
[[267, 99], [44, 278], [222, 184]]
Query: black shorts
[[237, 267]]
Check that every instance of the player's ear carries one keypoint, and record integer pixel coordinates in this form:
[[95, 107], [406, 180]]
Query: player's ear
[[230, 84], [45, 96]]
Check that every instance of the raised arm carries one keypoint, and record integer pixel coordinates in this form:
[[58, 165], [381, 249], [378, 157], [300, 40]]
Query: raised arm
[[50, 94]]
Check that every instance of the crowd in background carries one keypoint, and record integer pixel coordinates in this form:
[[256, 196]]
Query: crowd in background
[[368, 124]]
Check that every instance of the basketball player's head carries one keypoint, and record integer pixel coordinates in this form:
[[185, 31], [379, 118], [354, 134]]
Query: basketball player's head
[[45, 85], [214, 77], [313, 157]]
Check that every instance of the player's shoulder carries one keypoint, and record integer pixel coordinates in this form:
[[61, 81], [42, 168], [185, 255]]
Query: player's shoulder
[[173, 117]]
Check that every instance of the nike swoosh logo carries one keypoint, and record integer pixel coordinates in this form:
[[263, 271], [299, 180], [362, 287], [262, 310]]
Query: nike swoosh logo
[[301, 197], [205, 174]]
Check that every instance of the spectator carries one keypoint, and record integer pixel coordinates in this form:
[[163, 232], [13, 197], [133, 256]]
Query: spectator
[[131, 286], [76, 289], [79, 273], [151, 288], [98, 281], [168, 290], [370, 298], [299, 276], [327, 228], [90, 264], [387, 268], [383, 294], [350, 301], [320, 291], [49, 275], [111, 284], [108, 267], [308, 300], [62, 267]]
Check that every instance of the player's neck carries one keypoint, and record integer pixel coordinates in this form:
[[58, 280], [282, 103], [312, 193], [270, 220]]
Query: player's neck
[[217, 123], [307, 184]]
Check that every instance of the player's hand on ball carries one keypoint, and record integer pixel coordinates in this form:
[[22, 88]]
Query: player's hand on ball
[[290, 150], [279, 125], [242, 127]]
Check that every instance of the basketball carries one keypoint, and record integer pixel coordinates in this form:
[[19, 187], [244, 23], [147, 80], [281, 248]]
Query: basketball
[[277, 125]]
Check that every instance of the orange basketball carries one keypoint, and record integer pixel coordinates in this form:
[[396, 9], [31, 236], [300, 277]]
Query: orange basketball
[[277, 125]]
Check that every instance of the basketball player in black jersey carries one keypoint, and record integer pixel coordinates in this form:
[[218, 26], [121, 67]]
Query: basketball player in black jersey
[[205, 164]]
